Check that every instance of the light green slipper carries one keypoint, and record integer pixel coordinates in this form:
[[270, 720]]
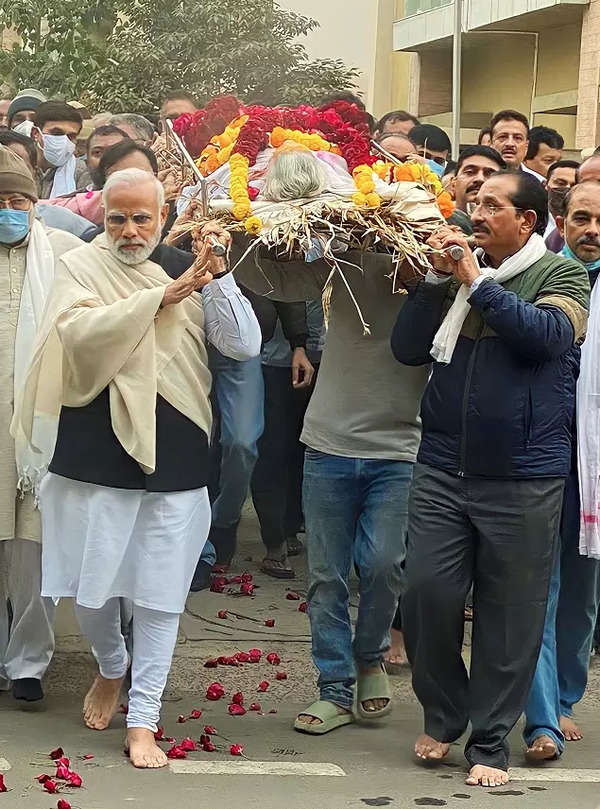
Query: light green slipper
[[330, 718], [373, 686]]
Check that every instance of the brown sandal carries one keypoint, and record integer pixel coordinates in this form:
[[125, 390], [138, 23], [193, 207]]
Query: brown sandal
[[277, 568]]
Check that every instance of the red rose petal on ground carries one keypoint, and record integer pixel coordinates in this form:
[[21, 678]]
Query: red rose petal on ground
[[211, 664], [238, 698], [236, 580], [292, 596], [218, 584], [62, 773], [169, 739], [176, 752], [42, 778], [56, 754], [74, 779], [303, 607], [236, 749], [195, 714], [236, 710], [215, 691], [246, 577], [273, 658], [264, 686], [270, 622], [203, 739], [255, 706], [281, 675], [187, 744], [222, 614], [63, 804], [50, 786], [89, 756], [209, 730], [159, 735], [63, 762], [222, 660], [255, 653], [3, 787], [181, 719], [231, 661], [247, 588], [242, 657], [208, 747]]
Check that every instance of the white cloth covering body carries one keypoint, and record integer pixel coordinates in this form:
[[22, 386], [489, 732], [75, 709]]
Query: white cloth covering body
[[25, 650], [102, 543]]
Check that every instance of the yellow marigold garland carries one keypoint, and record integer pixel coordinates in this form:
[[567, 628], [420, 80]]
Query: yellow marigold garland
[[314, 142], [238, 188], [421, 173], [363, 179], [220, 148]]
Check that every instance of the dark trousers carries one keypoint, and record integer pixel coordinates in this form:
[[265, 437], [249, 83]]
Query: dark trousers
[[277, 479], [500, 537]]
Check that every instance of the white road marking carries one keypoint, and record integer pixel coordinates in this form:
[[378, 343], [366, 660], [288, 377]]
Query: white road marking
[[245, 767], [5, 765], [555, 774]]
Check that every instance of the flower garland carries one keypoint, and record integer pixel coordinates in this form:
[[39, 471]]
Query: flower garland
[[312, 141], [220, 147], [421, 173], [238, 187]]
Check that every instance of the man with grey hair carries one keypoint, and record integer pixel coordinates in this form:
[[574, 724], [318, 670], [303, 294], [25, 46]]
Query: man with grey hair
[[135, 126], [119, 386]]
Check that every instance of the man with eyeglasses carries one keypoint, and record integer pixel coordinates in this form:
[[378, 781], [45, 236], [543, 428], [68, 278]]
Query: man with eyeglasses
[[502, 325], [120, 378], [28, 253]]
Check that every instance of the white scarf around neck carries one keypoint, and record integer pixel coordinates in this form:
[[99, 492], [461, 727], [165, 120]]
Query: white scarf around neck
[[588, 433], [447, 335], [37, 282], [63, 181]]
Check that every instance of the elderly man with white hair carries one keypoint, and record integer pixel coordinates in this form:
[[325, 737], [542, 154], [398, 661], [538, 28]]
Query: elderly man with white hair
[[119, 382]]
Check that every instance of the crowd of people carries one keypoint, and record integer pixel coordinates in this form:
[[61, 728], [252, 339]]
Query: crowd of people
[[450, 457]]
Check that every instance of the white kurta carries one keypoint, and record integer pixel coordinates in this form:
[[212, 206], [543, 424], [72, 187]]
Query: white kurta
[[102, 543]]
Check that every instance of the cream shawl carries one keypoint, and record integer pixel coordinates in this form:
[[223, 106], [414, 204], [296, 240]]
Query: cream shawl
[[103, 327]]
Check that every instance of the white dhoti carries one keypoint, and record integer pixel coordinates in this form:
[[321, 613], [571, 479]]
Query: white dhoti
[[102, 544]]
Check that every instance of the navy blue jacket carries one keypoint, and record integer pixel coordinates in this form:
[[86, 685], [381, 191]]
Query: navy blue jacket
[[503, 407]]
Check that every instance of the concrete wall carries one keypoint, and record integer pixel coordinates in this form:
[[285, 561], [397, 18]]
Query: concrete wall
[[558, 59]]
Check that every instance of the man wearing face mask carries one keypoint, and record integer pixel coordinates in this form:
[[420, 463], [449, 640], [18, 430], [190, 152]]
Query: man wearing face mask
[[562, 670], [28, 253], [57, 126], [21, 111], [562, 176]]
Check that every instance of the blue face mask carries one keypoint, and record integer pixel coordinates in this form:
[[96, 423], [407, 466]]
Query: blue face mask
[[14, 225], [435, 167]]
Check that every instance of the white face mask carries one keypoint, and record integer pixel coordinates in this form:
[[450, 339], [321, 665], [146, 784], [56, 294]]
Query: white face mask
[[58, 149], [24, 128]]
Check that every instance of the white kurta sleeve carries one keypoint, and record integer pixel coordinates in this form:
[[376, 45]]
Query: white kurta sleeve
[[229, 320]]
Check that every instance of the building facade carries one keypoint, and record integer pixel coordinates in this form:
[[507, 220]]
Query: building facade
[[541, 57]]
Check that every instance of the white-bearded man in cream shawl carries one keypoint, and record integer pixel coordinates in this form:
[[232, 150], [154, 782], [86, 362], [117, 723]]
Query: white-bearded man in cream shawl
[[121, 367], [28, 254]]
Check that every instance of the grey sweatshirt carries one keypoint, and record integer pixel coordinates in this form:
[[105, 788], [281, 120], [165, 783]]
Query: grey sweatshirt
[[365, 404]]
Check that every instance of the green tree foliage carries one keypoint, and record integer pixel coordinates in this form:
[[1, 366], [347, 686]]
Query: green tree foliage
[[127, 58]]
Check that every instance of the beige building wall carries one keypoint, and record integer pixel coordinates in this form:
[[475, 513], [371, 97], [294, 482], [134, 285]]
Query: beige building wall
[[360, 33]]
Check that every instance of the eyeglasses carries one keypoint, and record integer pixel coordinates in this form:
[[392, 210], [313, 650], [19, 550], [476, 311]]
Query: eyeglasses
[[16, 203], [492, 210], [140, 220]]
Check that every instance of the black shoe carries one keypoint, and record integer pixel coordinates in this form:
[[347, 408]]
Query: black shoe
[[201, 580], [28, 689], [224, 541]]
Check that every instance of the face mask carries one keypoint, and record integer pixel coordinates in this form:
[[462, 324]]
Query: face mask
[[24, 128], [590, 266], [436, 168], [58, 149], [556, 198], [14, 226]]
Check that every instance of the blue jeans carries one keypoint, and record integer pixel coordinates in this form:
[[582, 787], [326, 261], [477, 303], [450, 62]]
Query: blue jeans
[[238, 396], [562, 670], [356, 511]]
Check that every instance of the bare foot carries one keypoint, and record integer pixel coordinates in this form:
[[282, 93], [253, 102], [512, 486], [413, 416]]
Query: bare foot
[[396, 654], [428, 748], [571, 731], [305, 719], [486, 777], [542, 749], [101, 701], [143, 750]]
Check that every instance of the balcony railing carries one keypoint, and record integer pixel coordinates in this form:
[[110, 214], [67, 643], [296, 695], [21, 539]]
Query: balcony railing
[[412, 7]]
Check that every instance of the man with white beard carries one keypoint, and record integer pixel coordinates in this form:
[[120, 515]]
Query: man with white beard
[[120, 376]]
